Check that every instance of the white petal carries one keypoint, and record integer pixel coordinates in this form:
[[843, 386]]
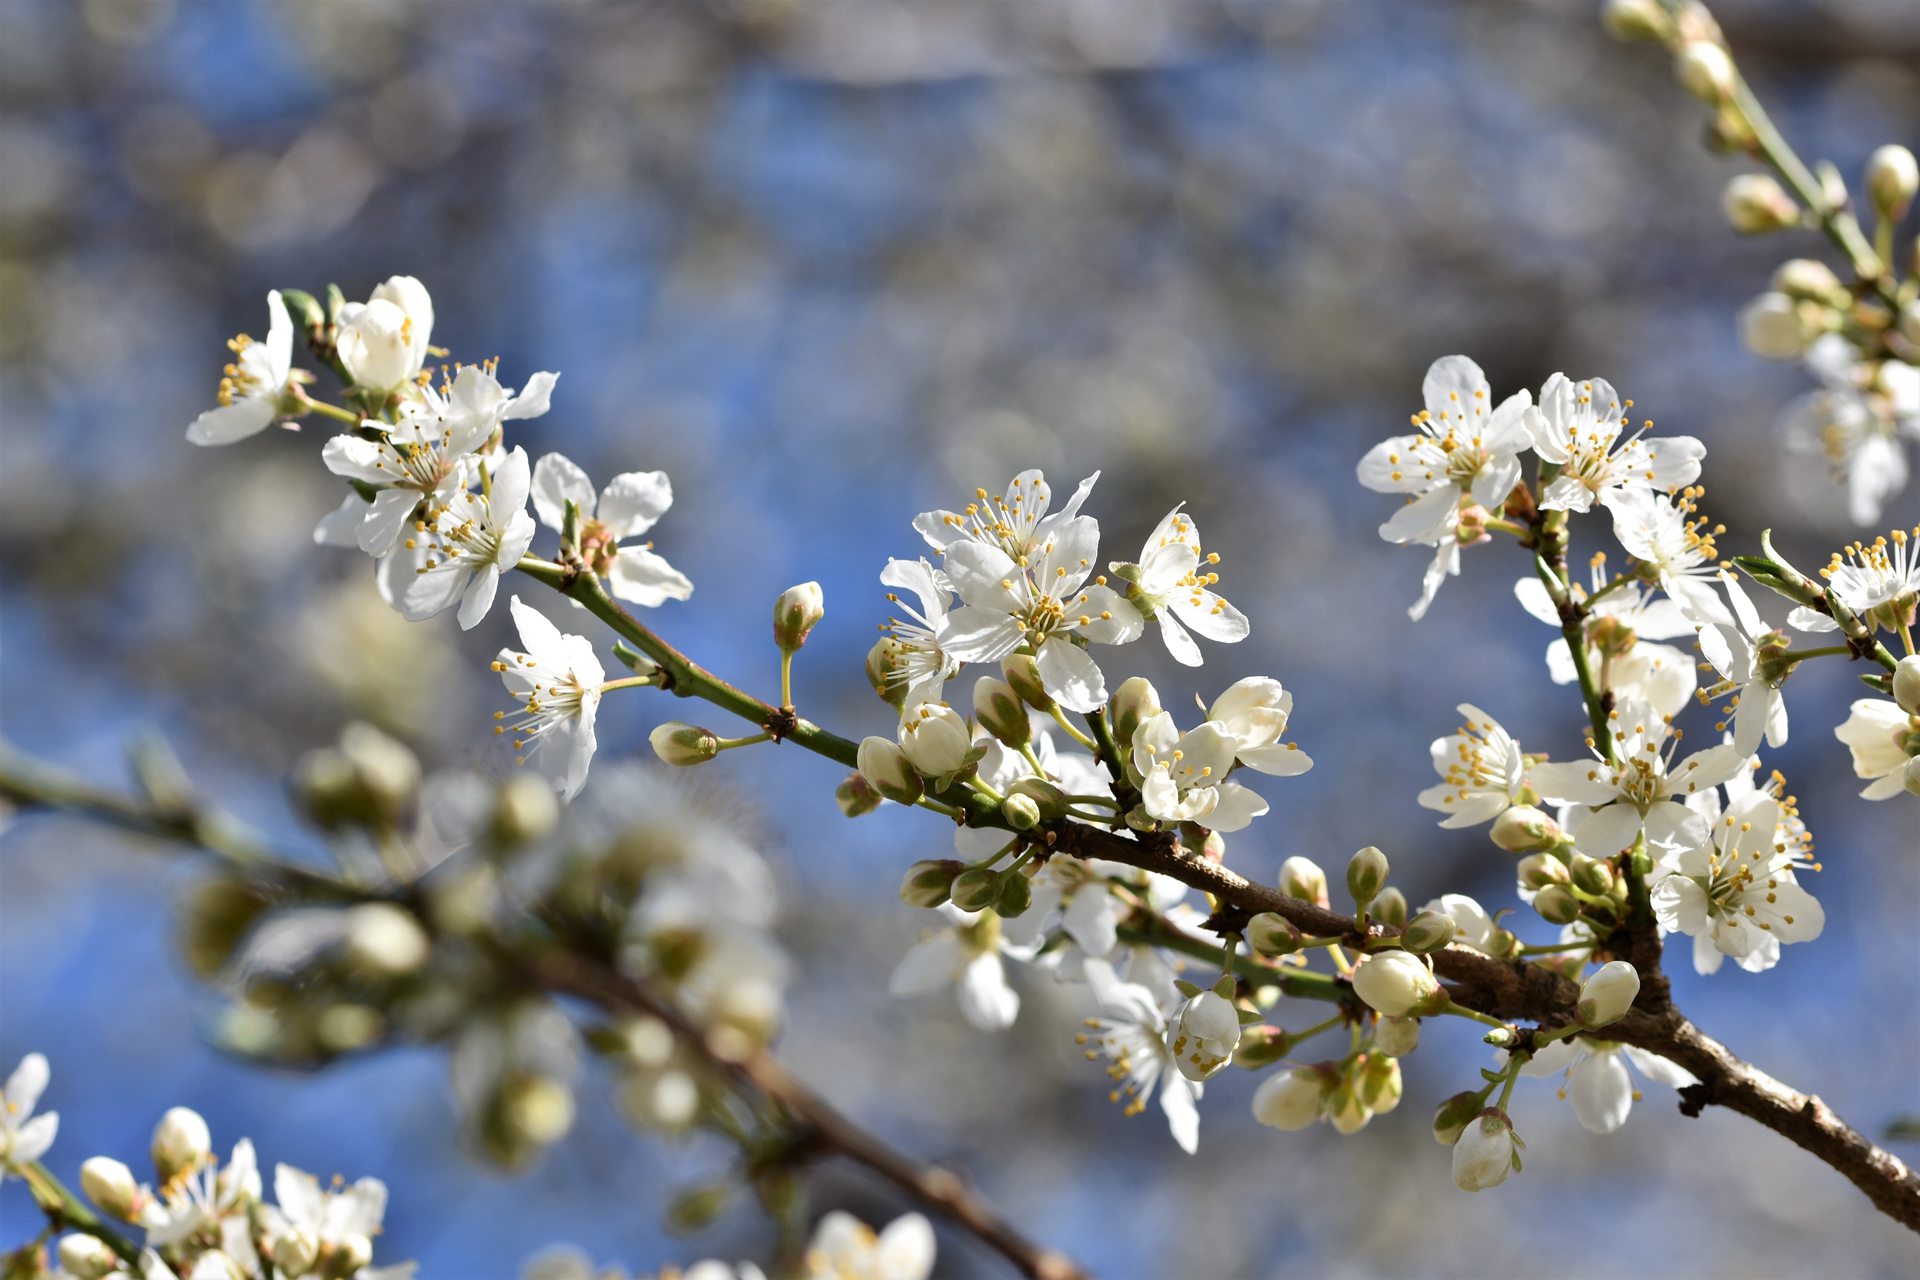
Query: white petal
[[1071, 677], [633, 501], [556, 481]]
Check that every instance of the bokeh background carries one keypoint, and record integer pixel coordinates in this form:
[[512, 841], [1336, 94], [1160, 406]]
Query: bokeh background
[[829, 263]]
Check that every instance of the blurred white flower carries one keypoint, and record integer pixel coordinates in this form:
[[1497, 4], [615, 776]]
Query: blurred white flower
[[1132, 1037], [253, 388], [845, 1248], [1855, 422], [25, 1137], [1882, 738], [1598, 1087], [965, 953]]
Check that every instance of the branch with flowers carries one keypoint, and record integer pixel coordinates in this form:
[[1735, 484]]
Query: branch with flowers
[[530, 920]]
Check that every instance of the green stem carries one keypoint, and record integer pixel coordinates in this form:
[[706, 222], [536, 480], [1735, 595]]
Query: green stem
[[1060, 718], [786, 677], [1514, 1063], [1155, 931], [67, 1212]]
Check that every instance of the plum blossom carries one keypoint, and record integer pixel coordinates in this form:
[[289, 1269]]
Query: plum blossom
[[1464, 444], [1855, 422], [466, 543], [1183, 776], [25, 1137], [425, 457], [1472, 925], [338, 1224], [1131, 1035], [1577, 427], [1169, 585], [383, 343], [1483, 770], [205, 1196], [1882, 738], [966, 954], [1622, 626], [1734, 892], [1676, 545], [629, 506], [253, 389], [1017, 524], [1880, 583], [1643, 793], [1740, 655], [845, 1248], [921, 667], [556, 682], [1598, 1087], [1254, 713]]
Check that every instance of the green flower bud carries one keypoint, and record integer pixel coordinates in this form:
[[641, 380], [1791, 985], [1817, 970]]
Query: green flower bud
[[1272, 934], [1755, 203], [296, 1251], [525, 810], [1021, 812], [1452, 1117], [1706, 72], [1378, 1081], [1000, 712], [217, 914], [1525, 829], [384, 940], [1397, 1037], [86, 1257], [1389, 906], [1906, 684], [1016, 895], [1051, 800], [795, 613], [1261, 1046], [856, 796], [976, 890], [1302, 878], [886, 671], [684, 745], [1133, 702], [884, 766], [1630, 20], [1539, 870], [1892, 179], [1810, 280], [1427, 932], [1366, 874], [1557, 905], [110, 1185], [1590, 875], [180, 1143], [1608, 994], [1023, 676]]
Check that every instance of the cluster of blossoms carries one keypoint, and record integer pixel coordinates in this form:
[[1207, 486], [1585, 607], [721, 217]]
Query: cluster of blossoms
[[201, 1219], [841, 1248]]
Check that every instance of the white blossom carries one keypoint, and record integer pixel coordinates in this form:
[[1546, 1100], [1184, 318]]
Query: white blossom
[[1395, 983], [845, 1248], [1677, 545], [425, 457], [556, 682], [1172, 583], [1017, 524], [1483, 770], [1464, 444], [1621, 630], [465, 543], [1598, 1087], [922, 667], [1132, 1036], [965, 953], [1735, 653], [1578, 427], [1205, 1032], [382, 342], [1734, 891], [1878, 582], [25, 1137], [253, 389], [342, 1221], [1291, 1100], [631, 504], [206, 1196], [1882, 738], [1254, 713], [1183, 776], [1472, 925], [1855, 422], [1483, 1154]]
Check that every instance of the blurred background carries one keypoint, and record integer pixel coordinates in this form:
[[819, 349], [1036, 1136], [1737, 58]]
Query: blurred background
[[830, 263]]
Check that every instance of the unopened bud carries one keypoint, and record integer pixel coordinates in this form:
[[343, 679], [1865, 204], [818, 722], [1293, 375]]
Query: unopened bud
[[976, 890], [684, 745], [1525, 829], [795, 613], [1810, 280], [1022, 674], [697, 1207], [538, 1109], [1000, 712], [1397, 983], [1427, 932], [1261, 1046], [1293, 1099], [1135, 701], [1537, 871], [1756, 204], [217, 915], [1773, 326], [1636, 20], [1906, 684], [856, 796], [884, 766], [86, 1257], [1451, 1117], [1272, 934], [935, 739], [1590, 875], [1484, 1154], [1302, 878], [110, 1185], [886, 670], [1050, 799], [1557, 905], [346, 1256], [1911, 777], [180, 1143], [1389, 906], [384, 940], [1892, 179], [1022, 813], [1366, 874], [1016, 895], [1706, 72], [1608, 994], [524, 810], [1397, 1037], [296, 1251], [1378, 1084]]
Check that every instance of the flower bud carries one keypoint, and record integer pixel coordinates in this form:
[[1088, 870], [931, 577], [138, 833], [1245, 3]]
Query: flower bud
[[1000, 712], [1389, 906], [524, 810], [1906, 684], [384, 940], [684, 745], [1591, 875], [180, 1143], [1291, 1100], [1772, 326], [1204, 1035], [217, 915], [296, 1251], [1427, 932], [1557, 905], [1525, 829], [1021, 812], [1397, 1037], [1366, 874], [1022, 674], [1892, 179], [1050, 798], [1756, 204], [86, 1257], [1451, 1117], [794, 614], [884, 766], [1484, 1156], [1016, 895], [1608, 994], [1133, 703], [1539, 870], [976, 890], [1396, 983], [1345, 1111], [1272, 934], [1810, 280], [1911, 777], [935, 739], [1378, 1083], [348, 1256], [1706, 72], [1261, 1046], [1302, 878], [375, 345], [886, 670], [856, 796], [1629, 20], [110, 1184]]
